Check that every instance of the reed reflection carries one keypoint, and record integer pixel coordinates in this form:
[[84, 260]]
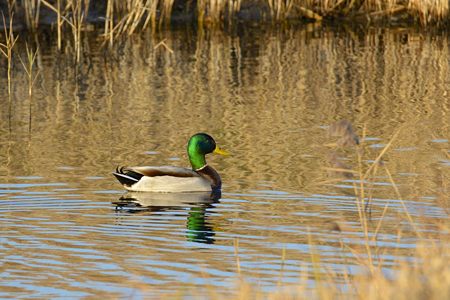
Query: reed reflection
[[198, 229]]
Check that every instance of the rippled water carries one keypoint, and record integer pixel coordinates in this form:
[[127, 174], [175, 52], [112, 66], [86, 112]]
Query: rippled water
[[268, 97]]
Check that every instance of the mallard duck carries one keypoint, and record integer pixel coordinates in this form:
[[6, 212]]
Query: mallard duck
[[201, 178]]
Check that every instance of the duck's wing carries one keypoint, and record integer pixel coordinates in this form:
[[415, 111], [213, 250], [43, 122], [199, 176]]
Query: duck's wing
[[164, 171], [130, 175]]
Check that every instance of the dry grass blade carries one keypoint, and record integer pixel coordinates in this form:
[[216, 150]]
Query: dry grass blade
[[378, 159], [162, 43], [3, 51], [315, 261], [75, 21], [32, 13], [28, 67], [408, 215], [236, 253], [309, 13], [59, 19], [377, 229], [212, 12], [7, 48], [49, 6]]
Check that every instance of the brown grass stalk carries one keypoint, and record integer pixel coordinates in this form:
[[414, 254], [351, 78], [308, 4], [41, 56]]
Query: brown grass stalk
[[59, 20], [7, 48], [280, 9], [32, 11], [76, 23], [74, 8], [125, 17], [236, 253], [109, 22], [28, 66]]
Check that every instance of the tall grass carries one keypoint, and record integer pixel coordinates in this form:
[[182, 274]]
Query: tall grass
[[427, 276], [32, 9], [73, 14], [29, 66], [129, 15], [6, 48], [423, 275], [125, 17], [121, 18], [214, 11]]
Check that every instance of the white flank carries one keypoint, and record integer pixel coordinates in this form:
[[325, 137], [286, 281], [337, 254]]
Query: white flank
[[171, 184]]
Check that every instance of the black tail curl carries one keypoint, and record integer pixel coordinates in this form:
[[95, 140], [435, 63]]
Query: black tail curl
[[127, 177]]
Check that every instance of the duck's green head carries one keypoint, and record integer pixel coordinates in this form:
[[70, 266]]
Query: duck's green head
[[198, 146]]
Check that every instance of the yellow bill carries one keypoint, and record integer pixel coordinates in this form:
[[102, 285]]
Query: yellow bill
[[220, 151]]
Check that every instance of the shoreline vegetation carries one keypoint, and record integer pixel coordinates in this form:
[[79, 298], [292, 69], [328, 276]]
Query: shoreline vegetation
[[111, 22], [117, 17]]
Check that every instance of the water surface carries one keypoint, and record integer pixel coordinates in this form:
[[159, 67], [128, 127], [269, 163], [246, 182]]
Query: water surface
[[268, 96]]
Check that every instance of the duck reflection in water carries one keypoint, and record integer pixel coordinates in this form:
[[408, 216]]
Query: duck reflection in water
[[198, 228], [347, 138]]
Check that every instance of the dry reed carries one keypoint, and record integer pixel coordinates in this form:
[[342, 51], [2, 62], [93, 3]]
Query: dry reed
[[73, 14], [123, 18], [425, 275], [7, 49], [32, 9], [28, 66], [129, 15]]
